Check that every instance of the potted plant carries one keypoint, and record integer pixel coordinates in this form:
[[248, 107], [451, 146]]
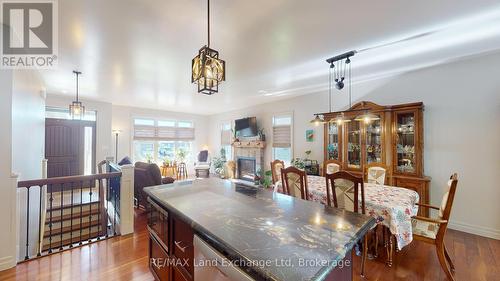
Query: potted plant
[[261, 134], [308, 152], [219, 166], [264, 179], [223, 154], [298, 163], [181, 154], [149, 158], [235, 135]]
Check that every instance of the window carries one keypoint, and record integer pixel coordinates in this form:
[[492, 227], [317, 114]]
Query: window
[[282, 138], [169, 123], [144, 122], [185, 124], [158, 141], [226, 139], [63, 113]]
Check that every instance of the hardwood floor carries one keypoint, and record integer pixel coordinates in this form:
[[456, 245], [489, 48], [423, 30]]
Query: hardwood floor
[[125, 258]]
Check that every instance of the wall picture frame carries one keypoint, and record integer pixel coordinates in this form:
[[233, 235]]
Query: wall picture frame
[[310, 135]]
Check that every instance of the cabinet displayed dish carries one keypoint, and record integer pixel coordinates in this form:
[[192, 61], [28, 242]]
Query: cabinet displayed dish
[[392, 135]]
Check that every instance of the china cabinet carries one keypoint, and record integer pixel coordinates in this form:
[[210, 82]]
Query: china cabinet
[[391, 135]]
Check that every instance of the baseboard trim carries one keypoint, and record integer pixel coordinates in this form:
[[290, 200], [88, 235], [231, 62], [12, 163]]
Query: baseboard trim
[[475, 229], [7, 262]]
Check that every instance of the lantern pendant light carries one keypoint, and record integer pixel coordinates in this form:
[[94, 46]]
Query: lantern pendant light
[[208, 70], [76, 108]]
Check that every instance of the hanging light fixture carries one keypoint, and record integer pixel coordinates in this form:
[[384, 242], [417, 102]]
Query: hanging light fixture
[[343, 62], [367, 117], [76, 108], [318, 120], [208, 70]]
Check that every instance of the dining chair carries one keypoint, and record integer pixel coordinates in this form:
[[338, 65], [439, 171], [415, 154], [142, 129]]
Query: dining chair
[[377, 173], [276, 167], [295, 182], [433, 230], [332, 182], [331, 166]]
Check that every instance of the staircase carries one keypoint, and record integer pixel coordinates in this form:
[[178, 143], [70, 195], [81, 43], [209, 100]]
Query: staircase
[[73, 221]]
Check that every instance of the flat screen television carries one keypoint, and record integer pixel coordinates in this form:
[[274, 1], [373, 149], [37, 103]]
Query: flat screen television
[[246, 127]]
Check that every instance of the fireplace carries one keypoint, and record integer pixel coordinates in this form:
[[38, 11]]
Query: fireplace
[[246, 168]]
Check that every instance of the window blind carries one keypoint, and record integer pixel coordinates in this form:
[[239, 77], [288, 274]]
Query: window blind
[[282, 136], [163, 133]]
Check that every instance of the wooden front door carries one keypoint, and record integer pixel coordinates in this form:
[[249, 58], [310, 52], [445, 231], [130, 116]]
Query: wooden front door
[[65, 146]]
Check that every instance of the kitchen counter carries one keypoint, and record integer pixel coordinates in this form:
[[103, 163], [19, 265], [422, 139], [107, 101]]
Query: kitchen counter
[[278, 236]]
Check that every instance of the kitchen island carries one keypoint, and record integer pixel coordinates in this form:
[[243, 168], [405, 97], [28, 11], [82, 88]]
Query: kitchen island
[[260, 234]]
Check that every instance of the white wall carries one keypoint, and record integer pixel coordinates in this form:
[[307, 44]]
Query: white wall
[[7, 206], [302, 109], [462, 109], [123, 120], [28, 148]]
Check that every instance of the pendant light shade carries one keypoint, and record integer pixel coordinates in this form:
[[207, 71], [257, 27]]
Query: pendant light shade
[[208, 70], [76, 108], [367, 117], [317, 120], [340, 119]]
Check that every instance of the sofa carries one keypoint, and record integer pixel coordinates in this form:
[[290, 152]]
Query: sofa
[[146, 174]]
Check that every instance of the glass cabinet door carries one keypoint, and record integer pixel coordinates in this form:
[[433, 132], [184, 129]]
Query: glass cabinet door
[[406, 140], [374, 141], [333, 141], [353, 144]]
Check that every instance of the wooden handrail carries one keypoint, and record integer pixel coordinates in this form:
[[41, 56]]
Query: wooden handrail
[[61, 180]]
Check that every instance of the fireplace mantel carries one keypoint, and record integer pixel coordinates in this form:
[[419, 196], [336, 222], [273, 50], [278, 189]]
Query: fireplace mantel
[[250, 144]]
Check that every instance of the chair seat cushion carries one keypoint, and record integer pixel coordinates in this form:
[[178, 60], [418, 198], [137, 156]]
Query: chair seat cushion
[[202, 167], [424, 228]]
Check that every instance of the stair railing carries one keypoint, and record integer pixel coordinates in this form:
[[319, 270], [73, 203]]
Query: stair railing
[[62, 199]]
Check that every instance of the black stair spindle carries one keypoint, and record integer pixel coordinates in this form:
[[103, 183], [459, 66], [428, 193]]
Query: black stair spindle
[[99, 234], [40, 224], [50, 220], [114, 212], [90, 210], [81, 198], [107, 198], [27, 223], [71, 218], [61, 218]]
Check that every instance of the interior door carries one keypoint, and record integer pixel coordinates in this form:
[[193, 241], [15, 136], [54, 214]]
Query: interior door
[[69, 147]]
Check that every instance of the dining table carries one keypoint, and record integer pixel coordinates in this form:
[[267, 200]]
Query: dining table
[[391, 206]]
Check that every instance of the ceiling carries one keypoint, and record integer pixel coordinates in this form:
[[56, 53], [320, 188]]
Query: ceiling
[[138, 53]]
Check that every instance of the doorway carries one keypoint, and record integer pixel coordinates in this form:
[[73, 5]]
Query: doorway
[[70, 147]]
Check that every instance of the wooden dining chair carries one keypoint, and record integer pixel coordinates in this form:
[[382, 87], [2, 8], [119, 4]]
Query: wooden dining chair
[[331, 166], [433, 230], [276, 167], [332, 181], [295, 182], [377, 173]]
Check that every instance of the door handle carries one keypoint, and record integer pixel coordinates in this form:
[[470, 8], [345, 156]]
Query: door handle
[[178, 246]]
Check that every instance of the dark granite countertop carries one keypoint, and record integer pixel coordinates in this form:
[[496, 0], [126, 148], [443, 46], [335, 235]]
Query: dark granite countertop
[[284, 238]]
